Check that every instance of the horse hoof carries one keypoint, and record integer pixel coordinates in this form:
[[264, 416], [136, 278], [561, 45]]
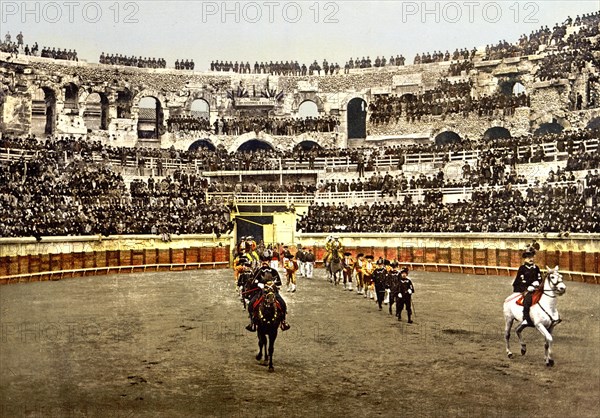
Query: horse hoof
[[258, 357], [523, 351], [510, 355], [550, 363], [271, 369]]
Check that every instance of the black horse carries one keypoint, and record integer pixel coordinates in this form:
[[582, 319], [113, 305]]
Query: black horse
[[245, 284], [334, 268], [268, 319]]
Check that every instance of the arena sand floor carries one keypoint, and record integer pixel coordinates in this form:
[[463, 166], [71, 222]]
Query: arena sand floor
[[174, 344]]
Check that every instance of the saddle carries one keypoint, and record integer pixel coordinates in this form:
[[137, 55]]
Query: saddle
[[537, 295]]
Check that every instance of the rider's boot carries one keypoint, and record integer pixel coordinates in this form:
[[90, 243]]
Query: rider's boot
[[284, 325], [251, 326], [350, 286], [293, 288], [409, 320]]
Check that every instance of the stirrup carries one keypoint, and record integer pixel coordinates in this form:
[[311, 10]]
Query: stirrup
[[285, 326], [251, 327]]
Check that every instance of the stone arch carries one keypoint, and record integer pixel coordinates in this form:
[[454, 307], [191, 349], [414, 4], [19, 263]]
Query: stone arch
[[43, 111], [255, 144], [71, 98], [594, 123], [408, 97], [248, 136], [150, 118], [200, 95], [96, 109], [548, 128], [512, 86], [496, 132], [202, 143], [300, 98], [124, 101], [200, 108], [356, 116], [307, 145], [308, 108], [447, 137]]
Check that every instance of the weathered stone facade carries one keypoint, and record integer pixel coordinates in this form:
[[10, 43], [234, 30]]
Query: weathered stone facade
[[43, 95]]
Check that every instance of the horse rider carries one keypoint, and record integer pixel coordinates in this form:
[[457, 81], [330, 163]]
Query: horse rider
[[380, 279], [239, 263], [404, 296], [266, 275], [250, 248], [291, 267], [333, 245], [348, 262], [367, 273], [527, 281], [393, 283]]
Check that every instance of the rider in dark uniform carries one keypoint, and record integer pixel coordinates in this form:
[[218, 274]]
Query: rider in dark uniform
[[263, 275], [403, 298], [393, 283], [528, 279], [380, 280]]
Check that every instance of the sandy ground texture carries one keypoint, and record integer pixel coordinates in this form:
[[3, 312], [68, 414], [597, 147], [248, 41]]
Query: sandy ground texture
[[174, 344]]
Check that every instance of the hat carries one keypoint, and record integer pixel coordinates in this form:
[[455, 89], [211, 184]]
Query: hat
[[264, 257], [386, 262], [404, 270], [347, 254], [380, 262], [359, 255], [528, 253], [290, 256], [394, 263], [243, 260], [369, 257]]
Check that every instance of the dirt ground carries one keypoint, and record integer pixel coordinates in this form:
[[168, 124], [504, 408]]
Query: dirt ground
[[174, 344]]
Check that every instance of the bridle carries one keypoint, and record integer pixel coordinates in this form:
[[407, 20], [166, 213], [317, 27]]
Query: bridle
[[553, 284]]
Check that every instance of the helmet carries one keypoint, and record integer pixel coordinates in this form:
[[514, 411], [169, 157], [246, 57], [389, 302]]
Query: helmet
[[243, 261], [404, 270], [264, 257], [380, 262], [394, 263]]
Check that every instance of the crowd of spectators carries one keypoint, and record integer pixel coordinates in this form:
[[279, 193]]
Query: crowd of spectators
[[42, 197], [427, 58], [132, 61], [57, 54], [448, 97], [539, 210], [188, 64], [182, 123]]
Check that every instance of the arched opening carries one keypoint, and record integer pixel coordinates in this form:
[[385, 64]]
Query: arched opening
[[43, 109], [408, 97], [150, 118], [594, 124], [308, 108], [96, 112], [307, 146], [548, 128], [202, 144], [357, 118], [255, 145], [200, 109], [124, 99], [447, 137], [518, 88], [71, 99], [496, 132]]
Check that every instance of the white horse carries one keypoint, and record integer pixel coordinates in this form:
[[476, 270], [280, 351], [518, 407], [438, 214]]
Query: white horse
[[543, 314]]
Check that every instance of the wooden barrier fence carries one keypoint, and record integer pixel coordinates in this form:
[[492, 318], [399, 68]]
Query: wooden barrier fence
[[40, 267], [575, 266]]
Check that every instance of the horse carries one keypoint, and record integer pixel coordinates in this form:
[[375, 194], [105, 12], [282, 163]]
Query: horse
[[245, 281], [543, 314], [268, 319], [335, 268]]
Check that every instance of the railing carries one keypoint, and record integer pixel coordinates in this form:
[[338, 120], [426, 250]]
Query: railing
[[280, 166]]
